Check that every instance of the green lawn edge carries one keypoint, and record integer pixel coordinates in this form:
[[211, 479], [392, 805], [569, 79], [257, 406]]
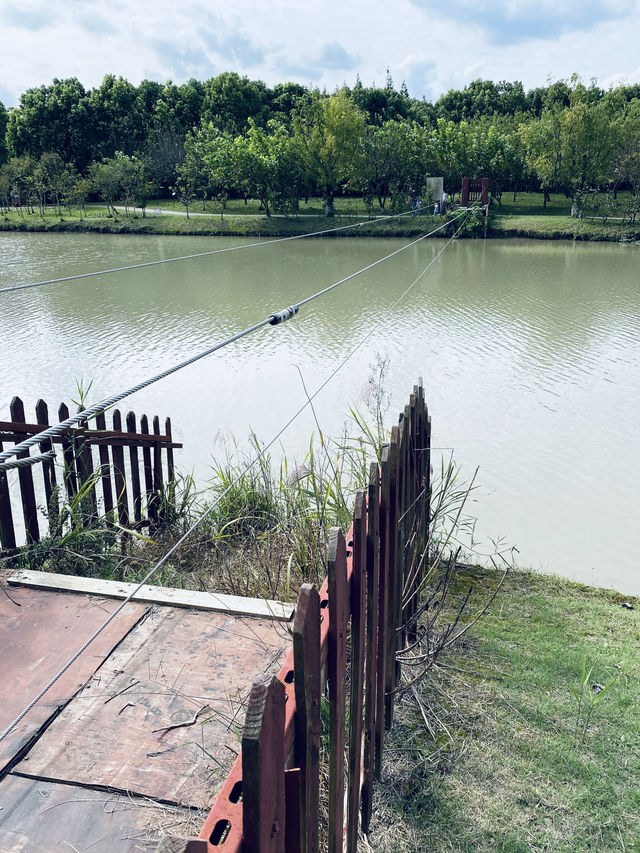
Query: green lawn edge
[[513, 770]]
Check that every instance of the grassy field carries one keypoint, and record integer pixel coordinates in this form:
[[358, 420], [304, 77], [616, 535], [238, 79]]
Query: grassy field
[[512, 744], [526, 217]]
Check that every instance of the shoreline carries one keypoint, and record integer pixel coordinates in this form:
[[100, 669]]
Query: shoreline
[[500, 226]]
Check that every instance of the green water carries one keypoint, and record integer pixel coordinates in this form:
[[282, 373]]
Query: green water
[[530, 354]]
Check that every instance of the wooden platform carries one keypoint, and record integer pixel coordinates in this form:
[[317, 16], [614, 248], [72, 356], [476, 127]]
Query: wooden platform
[[138, 735]]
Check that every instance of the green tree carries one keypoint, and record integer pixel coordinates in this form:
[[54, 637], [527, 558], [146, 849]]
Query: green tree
[[4, 120], [230, 101], [269, 165], [330, 143], [53, 118], [570, 149]]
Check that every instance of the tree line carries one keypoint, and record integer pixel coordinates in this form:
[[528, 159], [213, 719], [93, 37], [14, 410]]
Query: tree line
[[232, 136]]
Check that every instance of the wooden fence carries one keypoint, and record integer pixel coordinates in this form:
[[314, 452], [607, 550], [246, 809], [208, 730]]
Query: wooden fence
[[93, 464], [270, 801]]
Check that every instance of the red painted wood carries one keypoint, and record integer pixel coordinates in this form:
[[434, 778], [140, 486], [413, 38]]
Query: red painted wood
[[336, 670], [263, 817], [308, 725]]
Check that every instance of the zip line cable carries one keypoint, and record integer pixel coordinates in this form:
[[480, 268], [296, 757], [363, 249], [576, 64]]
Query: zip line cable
[[246, 469], [273, 320], [202, 254]]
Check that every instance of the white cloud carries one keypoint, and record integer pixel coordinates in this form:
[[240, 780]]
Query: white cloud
[[432, 46]]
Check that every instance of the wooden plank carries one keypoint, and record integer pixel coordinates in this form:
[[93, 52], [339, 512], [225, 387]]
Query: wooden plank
[[159, 717], [370, 680], [171, 471], [152, 513], [48, 468], [84, 466], [25, 477], [219, 603], [69, 476], [358, 625], [293, 817], [119, 476], [46, 816], [336, 670], [398, 579], [10, 429], [38, 634], [383, 608], [105, 469], [135, 470], [263, 770], [157, 470], [308, 725], [7, 532], [391, 622]]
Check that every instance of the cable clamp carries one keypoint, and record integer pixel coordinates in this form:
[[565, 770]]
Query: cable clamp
[[285, 314]]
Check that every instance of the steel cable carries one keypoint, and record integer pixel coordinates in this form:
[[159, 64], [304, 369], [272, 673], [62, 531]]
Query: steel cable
[[246, 469], [273, 319]]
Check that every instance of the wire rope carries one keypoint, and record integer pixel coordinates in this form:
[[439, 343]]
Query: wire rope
[[245, 470], [273, 319], [202, 254]]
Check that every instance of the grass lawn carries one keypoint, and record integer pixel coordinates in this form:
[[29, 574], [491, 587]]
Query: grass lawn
[[506, 746]]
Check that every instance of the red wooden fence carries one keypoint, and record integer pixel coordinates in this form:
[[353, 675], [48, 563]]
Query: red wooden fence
[[270, 802], [123, 488]]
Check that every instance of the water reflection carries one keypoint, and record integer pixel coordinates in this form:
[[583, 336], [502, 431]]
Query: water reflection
[[530, 352]]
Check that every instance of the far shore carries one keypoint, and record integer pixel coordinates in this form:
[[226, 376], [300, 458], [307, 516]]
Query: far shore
[[524, 217]]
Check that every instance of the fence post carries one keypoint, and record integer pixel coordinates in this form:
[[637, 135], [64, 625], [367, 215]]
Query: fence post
[[306, 657], [48, 468], [135, 470], [84, 467], [263, 810], [152, 511], [27, 492], [336, 671], [69, 476], [383, 607], [105, 468], [391, 624], [7, 532], [372, 635], [157, 466], [117, 454], [358, 624]]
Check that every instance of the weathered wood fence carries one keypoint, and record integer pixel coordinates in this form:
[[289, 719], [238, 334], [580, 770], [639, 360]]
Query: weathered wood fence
[[270, 801], [92, 465]]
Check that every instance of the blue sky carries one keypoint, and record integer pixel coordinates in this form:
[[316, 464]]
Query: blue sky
[[432, 46]]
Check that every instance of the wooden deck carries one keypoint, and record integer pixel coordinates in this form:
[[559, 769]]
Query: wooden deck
[[134, 741]]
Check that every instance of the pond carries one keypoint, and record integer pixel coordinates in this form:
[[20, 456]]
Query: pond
[[529, 352]]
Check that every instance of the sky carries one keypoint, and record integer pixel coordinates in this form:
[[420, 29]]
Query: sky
[[430, 45]]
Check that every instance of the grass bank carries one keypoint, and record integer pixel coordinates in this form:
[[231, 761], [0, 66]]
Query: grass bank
[[238, 221], [524, 217], [511, 743], [528, 217]]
